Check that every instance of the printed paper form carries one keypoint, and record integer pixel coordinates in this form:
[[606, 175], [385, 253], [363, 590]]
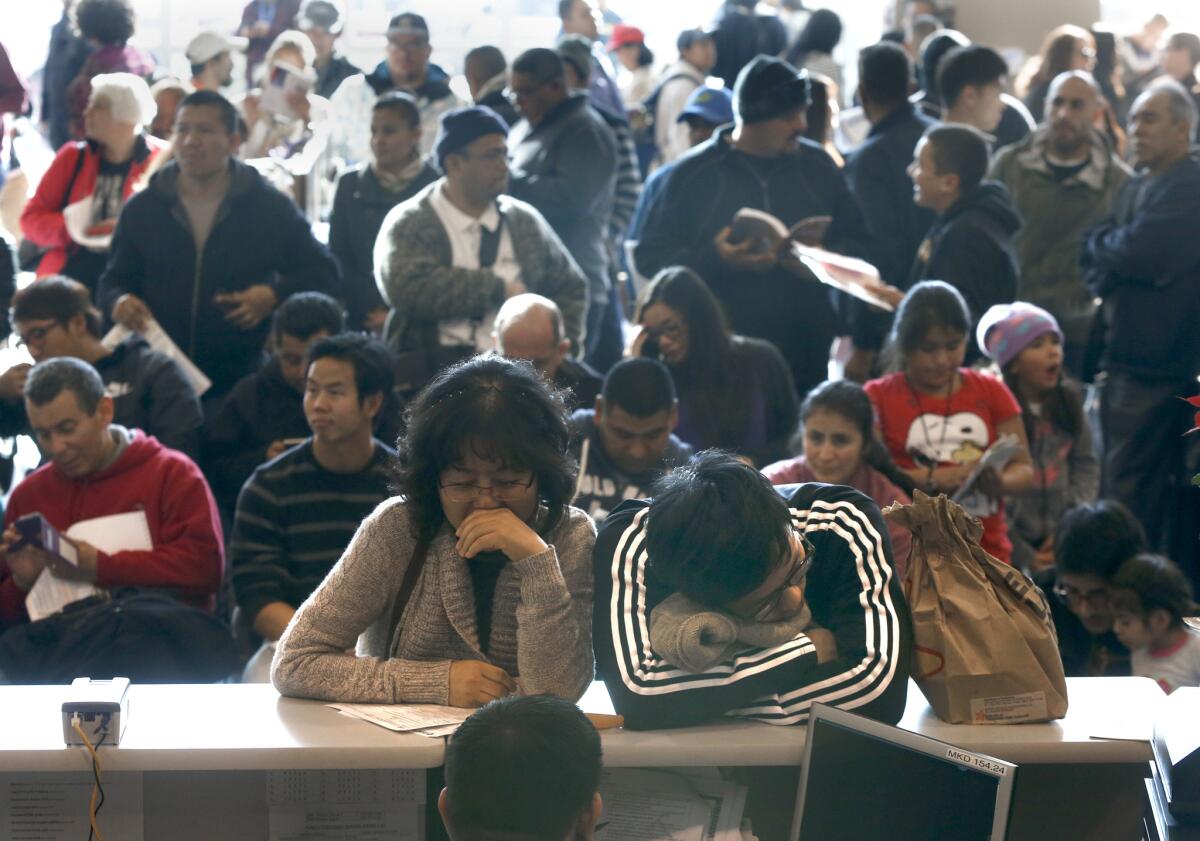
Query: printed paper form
[[408, 718], [114, 533], [377, 805], [158, 339], [665, 806], [54, 807]]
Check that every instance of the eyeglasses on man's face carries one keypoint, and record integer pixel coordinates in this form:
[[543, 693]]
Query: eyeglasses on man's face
[[801, 563]]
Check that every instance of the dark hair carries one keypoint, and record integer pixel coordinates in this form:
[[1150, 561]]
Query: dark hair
[[105, 21], [373, 371], [884, 73], [542, 64], [712, 378], [229, 114], [489, 59], [1146, 582], [503, 410], [848, 400], [400, 103], [305, 313], [1188, 41], [1095, 539], [816, 115], [691, 547], [1063, 406], [974, 65], [929, 304], [932, 52], [52, 377], [410, 20], [197, 69], [821, 34], [564, 8], [645, 55], [1058, 52], [522, 765], [960, 150], [640, 386], [60, 298]]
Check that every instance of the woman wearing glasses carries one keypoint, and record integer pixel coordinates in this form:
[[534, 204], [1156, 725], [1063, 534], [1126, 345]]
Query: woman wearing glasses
[[735, 393], [475, 582]]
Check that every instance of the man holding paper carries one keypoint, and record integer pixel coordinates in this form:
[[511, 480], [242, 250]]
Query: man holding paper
[[209, 249], [97, 470], [762, 163]]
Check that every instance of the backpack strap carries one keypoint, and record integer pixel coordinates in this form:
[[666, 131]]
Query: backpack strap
[[415, 564]]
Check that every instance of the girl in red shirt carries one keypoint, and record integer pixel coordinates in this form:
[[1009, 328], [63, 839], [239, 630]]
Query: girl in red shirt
[[937, 418]]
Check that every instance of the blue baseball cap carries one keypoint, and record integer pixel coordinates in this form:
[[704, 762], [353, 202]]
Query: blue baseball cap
[[713, 105]]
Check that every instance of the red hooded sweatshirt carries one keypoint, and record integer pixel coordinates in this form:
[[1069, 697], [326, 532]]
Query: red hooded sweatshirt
[[188, 557]]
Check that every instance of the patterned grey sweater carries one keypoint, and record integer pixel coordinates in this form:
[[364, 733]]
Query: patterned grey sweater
[[416, 277], [541, 618]]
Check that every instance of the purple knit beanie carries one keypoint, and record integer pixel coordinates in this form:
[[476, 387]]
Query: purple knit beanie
[[1007, 329]]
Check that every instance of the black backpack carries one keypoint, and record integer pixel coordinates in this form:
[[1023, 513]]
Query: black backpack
[[145, 635]]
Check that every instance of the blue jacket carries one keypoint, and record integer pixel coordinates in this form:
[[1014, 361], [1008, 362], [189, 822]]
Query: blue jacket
[[566, 167], [1145, 263], [258, 237], [703, 191]]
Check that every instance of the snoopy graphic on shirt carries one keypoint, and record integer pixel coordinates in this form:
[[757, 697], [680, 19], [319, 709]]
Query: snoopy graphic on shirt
[[960, 438]]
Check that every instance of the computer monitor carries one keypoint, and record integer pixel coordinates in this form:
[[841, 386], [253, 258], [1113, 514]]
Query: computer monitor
[[863, 780]]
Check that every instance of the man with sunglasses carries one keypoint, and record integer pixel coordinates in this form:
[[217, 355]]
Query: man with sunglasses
[[716, 532]]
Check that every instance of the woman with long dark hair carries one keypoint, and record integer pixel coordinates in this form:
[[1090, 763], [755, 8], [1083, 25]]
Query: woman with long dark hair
[[476, 580], [841, 447], [735, 392]]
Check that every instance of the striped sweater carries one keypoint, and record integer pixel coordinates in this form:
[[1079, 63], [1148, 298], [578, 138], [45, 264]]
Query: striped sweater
[[294, 520], [851, 590]]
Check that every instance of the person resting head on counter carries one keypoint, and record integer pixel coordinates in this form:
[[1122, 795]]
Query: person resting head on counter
[[723, 596], [475, 581]]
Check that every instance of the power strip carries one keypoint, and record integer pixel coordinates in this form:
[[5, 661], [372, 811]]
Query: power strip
[[102, 707]]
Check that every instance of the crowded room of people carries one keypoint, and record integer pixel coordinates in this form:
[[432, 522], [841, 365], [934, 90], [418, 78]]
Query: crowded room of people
[[599, 420]]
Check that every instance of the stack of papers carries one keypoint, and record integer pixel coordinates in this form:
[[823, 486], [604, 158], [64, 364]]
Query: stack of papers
[[427, 719], [675, 805], [115, 533]]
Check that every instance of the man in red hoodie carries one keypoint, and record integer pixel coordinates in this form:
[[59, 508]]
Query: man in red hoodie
[[98, 468]]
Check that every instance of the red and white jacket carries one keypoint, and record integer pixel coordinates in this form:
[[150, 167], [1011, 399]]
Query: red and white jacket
[[71, 178]]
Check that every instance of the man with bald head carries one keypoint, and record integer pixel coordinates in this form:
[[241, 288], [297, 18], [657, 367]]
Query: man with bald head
[[530, 327], [1062, 179]]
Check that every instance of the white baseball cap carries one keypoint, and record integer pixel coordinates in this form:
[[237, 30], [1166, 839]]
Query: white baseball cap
[[208, 45]]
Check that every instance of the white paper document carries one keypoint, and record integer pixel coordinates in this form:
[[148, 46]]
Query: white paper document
[[115, 533], [158, 339], [666, 806], [54, 806], [382, 805], [426, 719]]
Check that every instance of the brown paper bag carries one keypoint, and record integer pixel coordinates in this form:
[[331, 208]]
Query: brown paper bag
[[985, 649]]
